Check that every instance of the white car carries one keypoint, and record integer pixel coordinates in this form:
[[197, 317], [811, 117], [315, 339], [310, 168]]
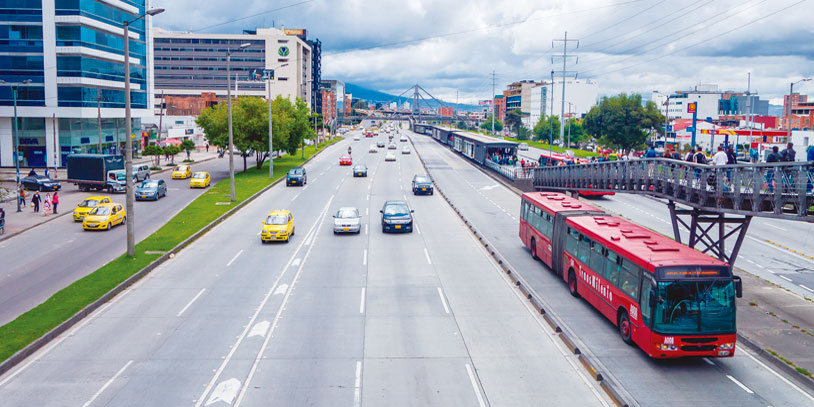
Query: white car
[[405, 150], [373, 148], [390, 157], [523, 147], [403, 138], [356, 138], [347, 220]]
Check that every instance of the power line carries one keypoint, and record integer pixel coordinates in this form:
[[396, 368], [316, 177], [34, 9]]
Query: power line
[[703, 41], [252, 16], [563, 73], [622, 20]]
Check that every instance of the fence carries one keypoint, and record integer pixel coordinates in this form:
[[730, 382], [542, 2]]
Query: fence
[[779, 190]]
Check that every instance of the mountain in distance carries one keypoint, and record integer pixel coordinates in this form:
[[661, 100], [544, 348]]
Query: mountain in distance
[[371, 95]]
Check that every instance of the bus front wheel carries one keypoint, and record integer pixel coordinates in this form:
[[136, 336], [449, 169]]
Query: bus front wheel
[[572, 284], [533, 249], [624, 327]]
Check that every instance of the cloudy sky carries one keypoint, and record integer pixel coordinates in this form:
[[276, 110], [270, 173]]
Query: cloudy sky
[[454, 45]]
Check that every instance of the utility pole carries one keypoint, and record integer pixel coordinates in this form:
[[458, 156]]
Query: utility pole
[[569, 123], [99, 99], [160, 117], [749, 116], [494, 108], [551, 117], [563, 73]]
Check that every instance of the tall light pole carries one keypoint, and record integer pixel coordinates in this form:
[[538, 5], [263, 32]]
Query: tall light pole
[[269, 78], [229, 101], [666, 115], [99, 99], [14, 87], [788, 116], [128, 139]]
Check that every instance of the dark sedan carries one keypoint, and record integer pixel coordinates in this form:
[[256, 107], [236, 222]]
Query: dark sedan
[[40, 183], [422, 184], [296, 176], [360, 170], [151, 189], [396, 217]]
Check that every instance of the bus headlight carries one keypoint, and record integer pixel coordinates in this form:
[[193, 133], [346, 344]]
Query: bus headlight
[[662, 346], [730, 345]]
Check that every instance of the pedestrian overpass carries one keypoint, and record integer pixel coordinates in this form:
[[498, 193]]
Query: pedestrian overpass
[[724, 196]]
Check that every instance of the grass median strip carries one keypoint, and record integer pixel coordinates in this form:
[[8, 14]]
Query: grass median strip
[[35, 323]]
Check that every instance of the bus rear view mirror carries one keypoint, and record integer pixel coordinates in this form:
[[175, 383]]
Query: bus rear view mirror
[[738, 286], [652, 299]]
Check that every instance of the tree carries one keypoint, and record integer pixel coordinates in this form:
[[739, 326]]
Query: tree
[[251, 127], [574, 128], [171, 151], [155, 151], [487, 125], [514, 119], [545, 130], [523, 133], [622, 121], [187, 145]]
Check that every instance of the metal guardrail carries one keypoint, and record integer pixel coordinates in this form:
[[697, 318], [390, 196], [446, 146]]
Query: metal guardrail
[[777, 190], [512, 172]]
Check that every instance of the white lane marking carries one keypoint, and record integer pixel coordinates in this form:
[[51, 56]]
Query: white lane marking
[[776, 227], [416, 228], [709, 362], [405, 196], [296, 262], [760, 265], [362, 302], [366, 227], [443, 300], [278, 315], [234, 258], [471, 374], [295, 197], [259, 329], [364, 257], [107, 384], [367, 211], [190, 302], [784, 278], [807, 288], [427, 255], [770, 271], [62, 338], [741, 385], [281, 289], [225, 391], [779, 376], [304, 188], [368, 197], [357, 387]]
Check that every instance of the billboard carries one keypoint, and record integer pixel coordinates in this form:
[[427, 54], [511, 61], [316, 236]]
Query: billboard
[[293, 31], [487, 102], [692, 107]]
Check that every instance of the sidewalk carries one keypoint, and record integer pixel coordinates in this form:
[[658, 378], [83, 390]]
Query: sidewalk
[[778, 322], [69, 195]]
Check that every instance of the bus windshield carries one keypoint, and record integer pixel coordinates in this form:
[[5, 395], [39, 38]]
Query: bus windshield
[[695, 306]]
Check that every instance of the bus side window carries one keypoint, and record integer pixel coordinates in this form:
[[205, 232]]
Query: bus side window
[[572, 242], [524, 207], [612, 268], [549, 224], [585, 250], [644, 304], [598, 259], [630, 277]]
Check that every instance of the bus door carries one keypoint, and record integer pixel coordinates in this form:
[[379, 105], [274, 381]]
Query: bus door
[[558, 243]]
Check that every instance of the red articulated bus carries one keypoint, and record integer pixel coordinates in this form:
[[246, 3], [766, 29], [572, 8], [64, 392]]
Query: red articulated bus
[[670, 300], [555, 158]]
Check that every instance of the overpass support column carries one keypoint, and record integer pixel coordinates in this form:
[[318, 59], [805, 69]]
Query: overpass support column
[[701, 230]]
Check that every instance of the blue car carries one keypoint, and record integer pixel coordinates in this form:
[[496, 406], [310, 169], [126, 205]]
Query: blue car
[[296, 176], [397, 217], [422, 185], [151, 189]]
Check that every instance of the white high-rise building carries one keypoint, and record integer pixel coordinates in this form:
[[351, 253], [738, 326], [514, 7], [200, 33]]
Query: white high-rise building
[[707, 97]]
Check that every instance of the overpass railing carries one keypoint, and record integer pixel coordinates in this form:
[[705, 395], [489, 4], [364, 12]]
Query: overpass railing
[[779, 190], [512, 172]]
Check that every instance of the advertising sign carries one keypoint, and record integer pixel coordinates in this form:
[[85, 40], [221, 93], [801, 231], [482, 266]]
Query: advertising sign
[[293, 31], [484, 102], [692, 107]]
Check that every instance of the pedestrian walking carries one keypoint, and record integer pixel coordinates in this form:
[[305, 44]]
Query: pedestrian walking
[[773, 157], [651, 152], [720, 157], [207, 147], [788, 154], [35, 200], [46, 204], [55, 201], [21, 196], [731, 158]]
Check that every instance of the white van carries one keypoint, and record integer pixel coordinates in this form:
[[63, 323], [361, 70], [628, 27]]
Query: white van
[[141, 172], [523, 146]]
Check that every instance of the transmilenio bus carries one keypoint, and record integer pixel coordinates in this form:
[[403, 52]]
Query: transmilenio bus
[[670, 300]]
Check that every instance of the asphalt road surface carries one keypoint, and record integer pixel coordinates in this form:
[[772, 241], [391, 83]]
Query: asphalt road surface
[[743, 380], [768, 250], [371, 319], [41, 261]]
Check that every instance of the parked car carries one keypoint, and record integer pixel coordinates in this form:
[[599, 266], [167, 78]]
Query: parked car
[[151, 189], [40, 183]]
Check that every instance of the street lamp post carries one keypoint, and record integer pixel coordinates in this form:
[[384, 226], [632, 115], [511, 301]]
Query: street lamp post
[[128, 139], [269, 78], [14, 87], [229, 101], [788, 114], [666, 115]]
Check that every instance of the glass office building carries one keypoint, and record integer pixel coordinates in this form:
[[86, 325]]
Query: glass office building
[[71, 53]]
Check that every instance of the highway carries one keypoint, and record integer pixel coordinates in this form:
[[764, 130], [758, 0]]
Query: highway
[[766, 252], [743, 380], [51, 256], [419, 319]]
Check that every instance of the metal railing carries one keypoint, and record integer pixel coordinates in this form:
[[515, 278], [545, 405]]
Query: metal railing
[[512, 172], [778, 190]]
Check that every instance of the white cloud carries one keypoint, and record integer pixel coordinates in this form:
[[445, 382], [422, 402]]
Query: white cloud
[[449, 45]]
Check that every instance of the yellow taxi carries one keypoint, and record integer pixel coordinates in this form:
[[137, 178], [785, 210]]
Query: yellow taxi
[[104, 216], [182, 172], [199, 179], [279, 225], [87, 205]]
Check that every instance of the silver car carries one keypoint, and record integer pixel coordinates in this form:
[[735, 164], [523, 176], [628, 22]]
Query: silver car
[[347, 220]]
